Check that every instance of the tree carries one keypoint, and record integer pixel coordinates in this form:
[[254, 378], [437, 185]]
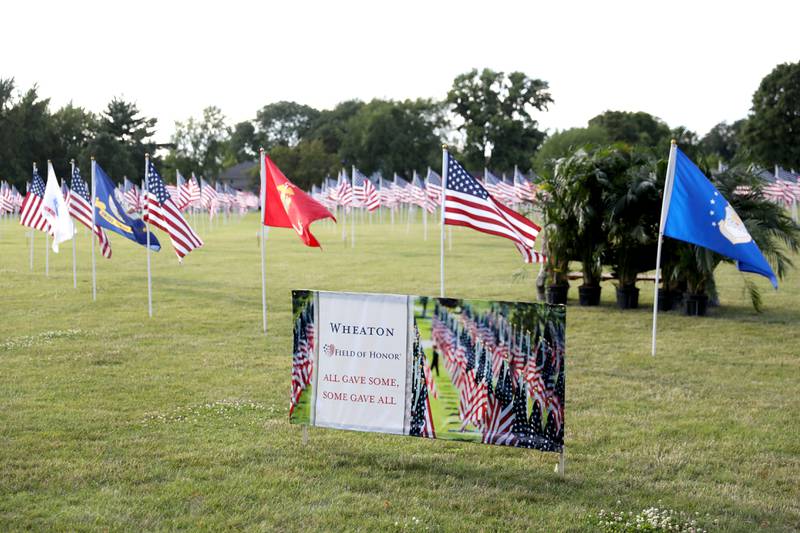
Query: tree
[[305, 164], [26, 132], [331, 126], [243, 143], [76, 128], [563, 143], [772, 131], [638, 128], [391, 136], [723, 140], [284, 123], [496, 113], [200, 145], [122, 140]]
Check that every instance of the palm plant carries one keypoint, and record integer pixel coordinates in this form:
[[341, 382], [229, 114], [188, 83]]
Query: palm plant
[[631, 222]]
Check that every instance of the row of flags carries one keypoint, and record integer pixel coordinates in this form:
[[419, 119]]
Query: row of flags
[[359, 190], [123, 209], [193, 194]]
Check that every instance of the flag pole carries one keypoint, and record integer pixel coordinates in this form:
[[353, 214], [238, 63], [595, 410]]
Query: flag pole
[[263, 175], [668, 182], [74, 268], [32, 232], [47, 249], [91, 231], [353, 219], [441, 236], [147, 229]]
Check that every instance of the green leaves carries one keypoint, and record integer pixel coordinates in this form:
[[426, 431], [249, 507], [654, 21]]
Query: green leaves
[[495, 111], [772, 132]]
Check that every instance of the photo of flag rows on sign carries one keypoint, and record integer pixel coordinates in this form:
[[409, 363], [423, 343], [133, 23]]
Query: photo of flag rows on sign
[[467, 203], [160, 211], [81, 210], [476, 347]]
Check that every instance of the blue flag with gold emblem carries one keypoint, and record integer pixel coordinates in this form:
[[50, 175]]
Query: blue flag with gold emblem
[[699, 214], [109, 214]]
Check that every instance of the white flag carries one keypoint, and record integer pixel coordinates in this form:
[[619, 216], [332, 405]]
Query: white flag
[[54, 210]]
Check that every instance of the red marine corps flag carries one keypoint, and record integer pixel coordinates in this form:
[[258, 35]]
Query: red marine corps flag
[[284, 205], [287, 206]]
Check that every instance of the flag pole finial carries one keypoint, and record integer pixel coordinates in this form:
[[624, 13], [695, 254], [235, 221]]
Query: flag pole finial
[[673, 141], [444, 146], [92, 158]]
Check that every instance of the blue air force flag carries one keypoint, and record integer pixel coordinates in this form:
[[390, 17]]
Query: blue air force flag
[[109, 214], [698, 214]]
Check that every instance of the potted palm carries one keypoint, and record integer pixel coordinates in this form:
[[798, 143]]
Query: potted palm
[[583, 177], [559, 233], [632, 224]]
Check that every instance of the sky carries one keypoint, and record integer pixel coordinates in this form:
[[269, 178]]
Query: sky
[[690, 63]]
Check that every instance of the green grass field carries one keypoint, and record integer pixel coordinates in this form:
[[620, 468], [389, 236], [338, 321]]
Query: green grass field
[[111, 420]]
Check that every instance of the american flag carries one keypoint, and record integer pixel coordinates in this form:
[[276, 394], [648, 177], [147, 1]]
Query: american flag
[[344, 192], [303, 356], [161, 212], [524, 189], [468, 204], [433, 186], [6, 200], [401, 189], [131, 196], [501, 412], [80, 208], [193, 189], [208, 194], [421, 423], [365, 191], [418, 194], [386, 193], [492, 184], [181, 195], [31, 212]]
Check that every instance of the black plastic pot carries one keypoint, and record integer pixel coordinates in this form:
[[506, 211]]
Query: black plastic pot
[[541, 293], [628, 297], [589, 295], [666, 300], [557, 294], [696, 304]]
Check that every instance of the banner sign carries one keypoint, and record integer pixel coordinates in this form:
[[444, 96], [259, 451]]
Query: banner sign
[[475, 370]]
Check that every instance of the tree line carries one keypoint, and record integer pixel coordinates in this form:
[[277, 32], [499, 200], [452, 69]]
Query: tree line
[[488, 117]]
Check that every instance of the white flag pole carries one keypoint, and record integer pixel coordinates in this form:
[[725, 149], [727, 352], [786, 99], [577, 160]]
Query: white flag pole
[[263, 175], [668, 182], [47, 250], [353, 220], [32, 231], [74, 268], [441, 236], [144, 203], [91, 235]]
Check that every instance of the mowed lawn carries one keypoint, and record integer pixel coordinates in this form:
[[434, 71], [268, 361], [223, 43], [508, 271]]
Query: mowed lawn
[[111, 420]]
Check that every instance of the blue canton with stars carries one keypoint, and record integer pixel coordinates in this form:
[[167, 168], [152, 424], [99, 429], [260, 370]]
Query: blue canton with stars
[[155, 184], [78, 186], [37, 185], [459, 180]]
